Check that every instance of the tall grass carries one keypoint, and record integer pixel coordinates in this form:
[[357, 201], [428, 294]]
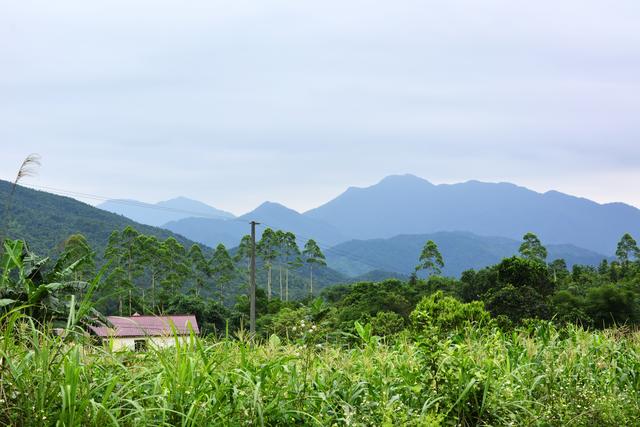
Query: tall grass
[[535, 376]]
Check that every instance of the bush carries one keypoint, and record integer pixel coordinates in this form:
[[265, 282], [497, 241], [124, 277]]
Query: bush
[[446, 314], [610, 305], [387, 323]]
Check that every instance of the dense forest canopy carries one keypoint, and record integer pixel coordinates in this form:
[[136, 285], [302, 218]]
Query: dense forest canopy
[[146, 275]]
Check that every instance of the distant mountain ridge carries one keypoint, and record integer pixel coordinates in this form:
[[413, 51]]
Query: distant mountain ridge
[[407, 204], [163, 212], [274, 215], [461, 251]]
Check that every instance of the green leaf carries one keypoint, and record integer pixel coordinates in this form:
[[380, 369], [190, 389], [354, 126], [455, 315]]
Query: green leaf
[[6, 301]]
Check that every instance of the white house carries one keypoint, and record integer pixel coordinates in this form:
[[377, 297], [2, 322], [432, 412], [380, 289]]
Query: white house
[[138, 332]]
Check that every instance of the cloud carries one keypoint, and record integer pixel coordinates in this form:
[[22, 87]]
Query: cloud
[[294, 101]]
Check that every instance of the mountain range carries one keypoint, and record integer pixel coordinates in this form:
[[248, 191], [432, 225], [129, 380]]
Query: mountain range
[[46, 220], [475, 223], [274, 215], [406, 204], [161, 213]]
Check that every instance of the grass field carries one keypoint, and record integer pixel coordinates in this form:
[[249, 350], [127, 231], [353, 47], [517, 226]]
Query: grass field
[[535, 376]]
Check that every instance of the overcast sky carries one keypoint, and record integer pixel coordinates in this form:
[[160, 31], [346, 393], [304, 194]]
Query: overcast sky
[[237, 102]]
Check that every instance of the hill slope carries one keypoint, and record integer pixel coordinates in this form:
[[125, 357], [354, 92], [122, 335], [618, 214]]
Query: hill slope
[[460, 250], [45, 220], [160, 213], [410, 205]]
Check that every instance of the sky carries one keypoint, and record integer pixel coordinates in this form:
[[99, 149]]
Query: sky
[[237, 102]]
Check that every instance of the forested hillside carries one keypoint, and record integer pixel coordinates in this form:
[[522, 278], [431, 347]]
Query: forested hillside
[[46, 220]]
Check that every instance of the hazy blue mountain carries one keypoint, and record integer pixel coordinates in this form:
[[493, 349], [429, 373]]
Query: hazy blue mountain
[[46, 220], [160, 213], [460, 250], [406, 204], [274, 215]]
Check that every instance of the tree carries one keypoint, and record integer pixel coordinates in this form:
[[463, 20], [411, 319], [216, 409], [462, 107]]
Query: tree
[[609, 305], [430, 259], [124, 251], [627, 248], [222, 268], [559, 269], [291, 255], [531, 248], [312, 255], [177, 269], [155, 263], [268, 251], [242, 256], [200, 268], [280, 238]]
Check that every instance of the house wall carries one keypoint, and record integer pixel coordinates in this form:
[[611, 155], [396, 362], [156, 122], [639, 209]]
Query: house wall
[[129, 343]]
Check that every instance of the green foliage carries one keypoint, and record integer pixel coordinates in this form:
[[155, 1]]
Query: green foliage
[[612, 305], [531, 248], [44, 293], [537, 375], [387, 323], [46, 221], [627, 249], [445, 314], [223, 269], [211, 315], [364, 300], [516, 303], [312, 255], [430, 259]]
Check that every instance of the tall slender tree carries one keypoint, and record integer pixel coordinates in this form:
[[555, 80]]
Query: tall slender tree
[[242, 258], [268, 251], [280, 241], [177, 269], [312, 255], [155, 260], [200, 268], [430, 259], [223, 269], [124, 252], [627, 248], [291, 253]]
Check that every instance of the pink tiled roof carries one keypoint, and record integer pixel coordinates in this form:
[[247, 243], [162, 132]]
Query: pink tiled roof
[[140, 326]]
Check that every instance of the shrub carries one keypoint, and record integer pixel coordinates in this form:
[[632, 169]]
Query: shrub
[[447, 314], [387, 323]]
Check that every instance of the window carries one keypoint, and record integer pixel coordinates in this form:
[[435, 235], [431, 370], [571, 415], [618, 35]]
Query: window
[[140, 345]]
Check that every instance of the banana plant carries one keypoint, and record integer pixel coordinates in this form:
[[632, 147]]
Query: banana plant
[[45, 294]]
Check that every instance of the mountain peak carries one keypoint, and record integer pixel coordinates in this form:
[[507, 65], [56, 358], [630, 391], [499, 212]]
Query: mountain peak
[[404, 179], [271, 208]]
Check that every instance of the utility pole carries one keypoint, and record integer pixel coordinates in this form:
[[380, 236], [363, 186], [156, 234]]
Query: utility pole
[[252, 290]]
